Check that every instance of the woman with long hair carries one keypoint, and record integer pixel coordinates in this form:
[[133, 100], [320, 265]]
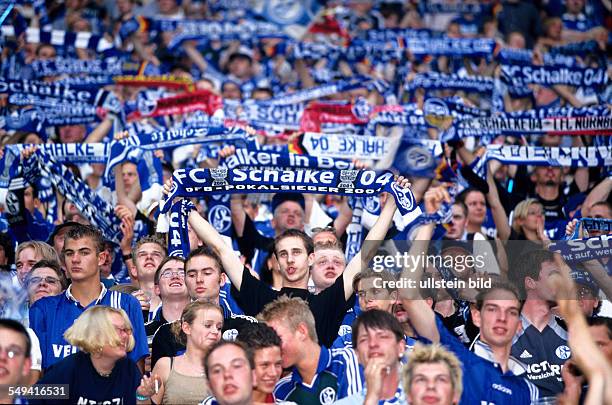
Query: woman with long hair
[[183, 376]]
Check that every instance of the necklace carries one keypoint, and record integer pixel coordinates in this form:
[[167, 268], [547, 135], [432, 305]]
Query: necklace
[[103, 374]]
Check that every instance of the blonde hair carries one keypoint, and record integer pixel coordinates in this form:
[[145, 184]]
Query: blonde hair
[[93, 330], [190, 312], [521, 210], [434, 353], [41, 249], [292, 311]]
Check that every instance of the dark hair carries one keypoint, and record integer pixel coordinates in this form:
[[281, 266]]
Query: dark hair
[[463, 195], [601, 321], [79, 231], [463, 207], [247, 352], [207, 252], [6, 243], [529, 265], [259, 336], [295, 233], [484, 295], [163, 262], [376, 319], [15, 326], [53, 265]]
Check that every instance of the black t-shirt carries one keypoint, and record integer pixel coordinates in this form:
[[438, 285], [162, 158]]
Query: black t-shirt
[[328, 307], [87, 386], [165, 343]]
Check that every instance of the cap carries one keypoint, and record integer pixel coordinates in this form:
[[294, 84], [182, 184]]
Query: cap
[[584, 278], [58, 228], [280, 198]]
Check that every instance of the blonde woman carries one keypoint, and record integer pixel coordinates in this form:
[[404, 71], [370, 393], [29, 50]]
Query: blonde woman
[[528, 221], [101, 371], [183, 376]]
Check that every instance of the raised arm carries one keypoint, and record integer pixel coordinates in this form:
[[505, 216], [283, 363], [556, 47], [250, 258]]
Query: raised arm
[[371, 244], [599, 193], [422, 317], [209, 235], [585, 353], [499, 213]]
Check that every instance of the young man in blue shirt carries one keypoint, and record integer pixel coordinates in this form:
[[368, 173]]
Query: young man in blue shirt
[[378, 339], [491, 375], [318, 375], [50, 317]]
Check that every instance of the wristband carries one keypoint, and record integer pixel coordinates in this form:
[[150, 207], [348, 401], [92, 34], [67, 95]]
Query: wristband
[[142, 397], [126, 257]]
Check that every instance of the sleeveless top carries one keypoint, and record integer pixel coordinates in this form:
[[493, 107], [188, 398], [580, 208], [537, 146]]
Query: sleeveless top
[[184, 389]]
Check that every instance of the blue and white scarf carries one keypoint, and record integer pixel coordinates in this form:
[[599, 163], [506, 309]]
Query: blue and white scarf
[[318, 92], [120, 149], [347, 146], [93, 67], [581, 250], [511, 56], [354, 230], [44, 89], [501, 125], [254, 158], [95, 209], [439, 81], [198, 182], [517, 75], [583, 156]]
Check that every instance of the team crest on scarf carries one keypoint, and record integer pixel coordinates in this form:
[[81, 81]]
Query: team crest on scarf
[[437, 113]]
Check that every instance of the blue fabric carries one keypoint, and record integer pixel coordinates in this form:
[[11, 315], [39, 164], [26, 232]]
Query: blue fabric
[[339, 364], [51, 316], [484, 381]]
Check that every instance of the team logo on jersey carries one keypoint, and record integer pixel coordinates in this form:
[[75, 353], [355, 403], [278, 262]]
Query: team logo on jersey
[[563, 352], [344, 329], [220, 217], [230, 334], [525, 355], [327, 396]]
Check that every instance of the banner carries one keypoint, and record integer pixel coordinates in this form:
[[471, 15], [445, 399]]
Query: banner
[[591, 156], [552, 75], [72, 66], [198, 182]]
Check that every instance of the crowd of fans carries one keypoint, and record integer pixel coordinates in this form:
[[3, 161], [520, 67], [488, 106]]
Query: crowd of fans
[[288, 297]]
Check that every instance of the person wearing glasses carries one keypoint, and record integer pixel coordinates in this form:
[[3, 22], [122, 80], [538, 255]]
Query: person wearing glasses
[[45, 279], [15, 346], [170, 287], [51, 316], [183, 377], [100, 371]]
